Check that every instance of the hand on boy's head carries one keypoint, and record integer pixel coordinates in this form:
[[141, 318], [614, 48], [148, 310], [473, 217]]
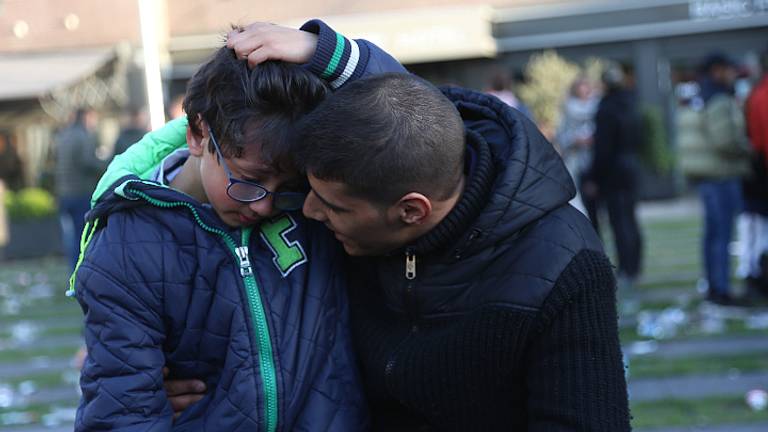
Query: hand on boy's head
[[259, 42], [182, 393]]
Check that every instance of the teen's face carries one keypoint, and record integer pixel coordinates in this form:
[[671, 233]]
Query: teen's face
[[362, 227], [251, 168]]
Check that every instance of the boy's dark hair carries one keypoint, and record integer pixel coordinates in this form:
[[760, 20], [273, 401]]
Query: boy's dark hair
[[243, 105], [383, 137]]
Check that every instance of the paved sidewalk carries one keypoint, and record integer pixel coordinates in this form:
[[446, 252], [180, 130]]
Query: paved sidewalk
[[678, 208], [724, 346], [36, 365], [695, 386], [38, 428], [755, 427]]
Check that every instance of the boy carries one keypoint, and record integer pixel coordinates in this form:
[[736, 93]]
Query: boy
[[173, 274]]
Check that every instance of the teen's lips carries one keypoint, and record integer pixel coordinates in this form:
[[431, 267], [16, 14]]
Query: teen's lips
[[338, 236]]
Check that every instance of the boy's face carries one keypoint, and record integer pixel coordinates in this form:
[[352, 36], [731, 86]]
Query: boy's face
[[249, 167]]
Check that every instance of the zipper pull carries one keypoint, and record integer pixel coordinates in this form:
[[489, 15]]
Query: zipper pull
[[410, 264], [245, 262]]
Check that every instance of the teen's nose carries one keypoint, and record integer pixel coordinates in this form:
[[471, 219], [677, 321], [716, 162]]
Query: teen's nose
[[311, 208]]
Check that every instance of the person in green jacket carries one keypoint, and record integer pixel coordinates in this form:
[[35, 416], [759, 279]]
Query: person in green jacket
[[714, 155]]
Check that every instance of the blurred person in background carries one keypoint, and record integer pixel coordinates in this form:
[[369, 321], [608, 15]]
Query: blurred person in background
[[176, 107], [11, 178], [575, 137], [501, 86], [3, 220], [11, 171], [615, 169], [76, 173], [753, 266], [134, 127], [714, 155]]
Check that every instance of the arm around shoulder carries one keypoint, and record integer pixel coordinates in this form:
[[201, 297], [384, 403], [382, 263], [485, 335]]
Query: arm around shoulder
[[340, 60]]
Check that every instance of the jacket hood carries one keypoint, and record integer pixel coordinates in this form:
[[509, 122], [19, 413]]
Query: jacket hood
[[142, 158], [526, 178]]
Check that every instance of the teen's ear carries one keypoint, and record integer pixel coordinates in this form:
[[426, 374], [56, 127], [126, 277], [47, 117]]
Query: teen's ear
[[198, 144], [413, 208]]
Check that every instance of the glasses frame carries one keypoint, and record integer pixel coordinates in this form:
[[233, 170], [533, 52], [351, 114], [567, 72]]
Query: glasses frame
[[264, 191]]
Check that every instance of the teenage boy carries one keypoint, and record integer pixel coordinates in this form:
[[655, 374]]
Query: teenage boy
[[481, 300], [206, 270], [486, 301]]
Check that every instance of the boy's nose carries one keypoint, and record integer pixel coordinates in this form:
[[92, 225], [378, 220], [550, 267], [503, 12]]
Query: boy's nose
[[263, 207]]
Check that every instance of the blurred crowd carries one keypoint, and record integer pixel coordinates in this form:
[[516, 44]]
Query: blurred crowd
[[721, 129], [723, 141]]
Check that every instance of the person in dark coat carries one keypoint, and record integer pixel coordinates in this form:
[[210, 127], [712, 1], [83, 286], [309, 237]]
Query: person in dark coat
[[77, 171], [134, 128], [480, 299], [11, 166], [615, 169], [204, 266]]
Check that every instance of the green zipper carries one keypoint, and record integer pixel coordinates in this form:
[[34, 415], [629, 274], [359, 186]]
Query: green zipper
[[258, 315], [266, 359]]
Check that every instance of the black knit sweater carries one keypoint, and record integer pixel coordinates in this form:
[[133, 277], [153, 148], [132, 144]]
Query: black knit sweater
[[510, 321], [499, 368]]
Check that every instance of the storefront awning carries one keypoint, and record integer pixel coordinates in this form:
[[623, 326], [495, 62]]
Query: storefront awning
[[32, 75], [424, 35], [411, 36]]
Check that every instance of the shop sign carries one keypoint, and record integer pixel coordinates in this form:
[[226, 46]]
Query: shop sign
[[718, 9]]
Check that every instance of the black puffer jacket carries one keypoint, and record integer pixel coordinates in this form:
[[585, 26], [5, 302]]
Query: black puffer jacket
[[618, 137], [510, 321]]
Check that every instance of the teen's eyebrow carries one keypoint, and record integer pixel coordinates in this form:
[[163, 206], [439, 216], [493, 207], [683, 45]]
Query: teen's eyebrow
[[327, 203]]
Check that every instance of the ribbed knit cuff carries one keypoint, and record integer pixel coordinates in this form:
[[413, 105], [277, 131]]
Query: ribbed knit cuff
[[336, 58]]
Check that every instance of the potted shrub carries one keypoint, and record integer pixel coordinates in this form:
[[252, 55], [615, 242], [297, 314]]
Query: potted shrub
[[34, 229]]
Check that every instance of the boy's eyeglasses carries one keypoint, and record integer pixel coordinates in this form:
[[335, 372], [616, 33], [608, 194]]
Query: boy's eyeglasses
[[248, 192]]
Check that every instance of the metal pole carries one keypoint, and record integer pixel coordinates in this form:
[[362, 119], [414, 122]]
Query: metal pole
[[148, 17]]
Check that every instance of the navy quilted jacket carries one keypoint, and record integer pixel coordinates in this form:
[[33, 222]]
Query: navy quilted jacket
[[260, 315]]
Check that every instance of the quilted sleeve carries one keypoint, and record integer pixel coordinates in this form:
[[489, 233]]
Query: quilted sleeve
[[121, 379], [340, 60]]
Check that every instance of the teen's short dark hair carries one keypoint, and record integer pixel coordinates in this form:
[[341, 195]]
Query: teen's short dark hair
[[383, 137], [244, 105]]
